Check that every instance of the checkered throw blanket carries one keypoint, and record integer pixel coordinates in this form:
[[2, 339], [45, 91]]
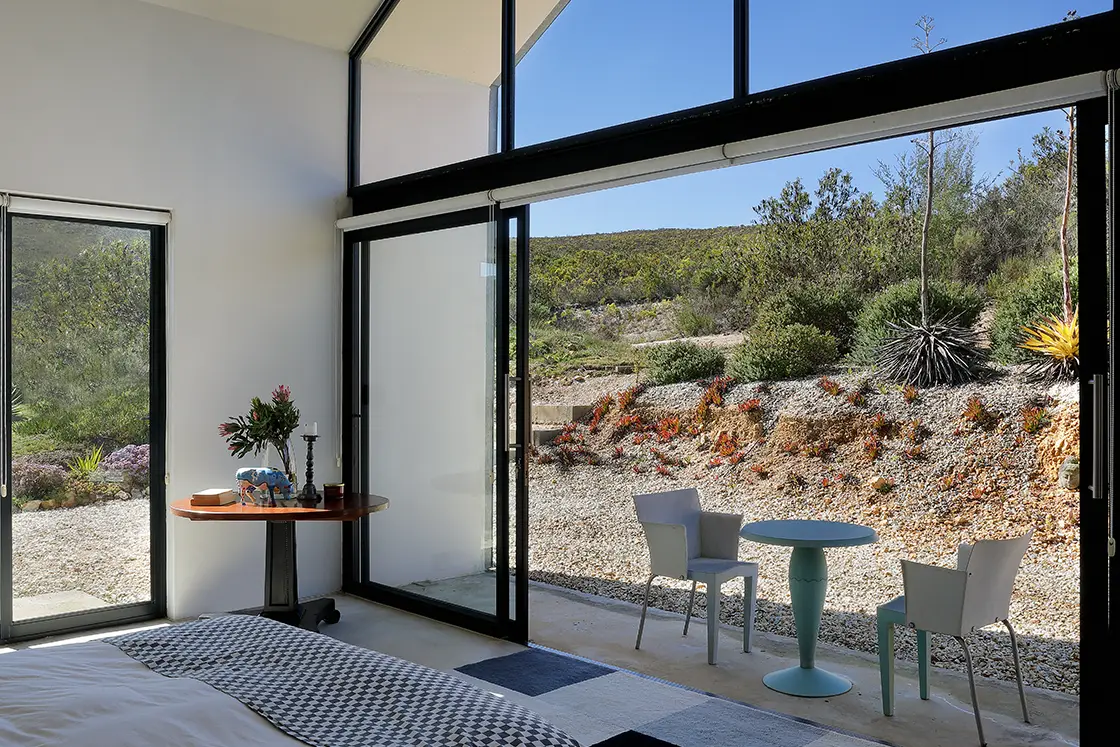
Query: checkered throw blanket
[[327, 693]]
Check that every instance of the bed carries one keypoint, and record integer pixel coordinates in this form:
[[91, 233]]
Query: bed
[[250, 682]]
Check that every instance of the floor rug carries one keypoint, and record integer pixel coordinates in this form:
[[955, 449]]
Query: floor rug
[[601, 706]]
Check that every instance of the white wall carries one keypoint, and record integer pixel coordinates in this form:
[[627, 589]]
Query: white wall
[[430, 400], [414, 120], [243, 136]]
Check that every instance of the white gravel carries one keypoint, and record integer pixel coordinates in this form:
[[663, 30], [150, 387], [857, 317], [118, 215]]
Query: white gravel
[[101, 549], [584, 534]]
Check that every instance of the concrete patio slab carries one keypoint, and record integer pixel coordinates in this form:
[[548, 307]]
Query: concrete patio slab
[[55, 603], [603, 630]]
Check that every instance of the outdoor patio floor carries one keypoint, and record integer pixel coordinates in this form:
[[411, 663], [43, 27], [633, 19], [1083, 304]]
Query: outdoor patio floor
[[604, 629]]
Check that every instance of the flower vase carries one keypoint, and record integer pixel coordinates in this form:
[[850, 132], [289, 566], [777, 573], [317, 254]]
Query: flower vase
[[287, 463]]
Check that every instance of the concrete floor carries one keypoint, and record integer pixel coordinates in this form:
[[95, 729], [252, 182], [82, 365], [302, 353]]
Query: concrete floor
[[476, 592], [604, 629], [55, 603]]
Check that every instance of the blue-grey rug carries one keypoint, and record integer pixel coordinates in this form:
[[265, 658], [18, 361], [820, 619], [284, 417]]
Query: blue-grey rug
[[601, 706]]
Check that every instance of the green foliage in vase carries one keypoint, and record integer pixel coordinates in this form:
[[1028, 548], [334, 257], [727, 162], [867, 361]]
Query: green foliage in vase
[[267, 424]]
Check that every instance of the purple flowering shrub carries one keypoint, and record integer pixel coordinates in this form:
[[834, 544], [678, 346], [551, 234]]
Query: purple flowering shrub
[[37, 481], [132, 461]]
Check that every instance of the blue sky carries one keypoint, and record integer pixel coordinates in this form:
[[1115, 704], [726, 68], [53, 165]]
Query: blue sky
[[604, 62]]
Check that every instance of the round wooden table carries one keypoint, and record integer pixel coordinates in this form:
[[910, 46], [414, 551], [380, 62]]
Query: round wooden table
[[808, 581], [281, 592]]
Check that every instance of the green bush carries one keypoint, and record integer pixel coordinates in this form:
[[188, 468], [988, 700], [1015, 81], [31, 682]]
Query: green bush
[[782, 352], [1035, 297], [829, 310], [692, 321], [558, 352], [900, 303], [679, 361], [116, 418]]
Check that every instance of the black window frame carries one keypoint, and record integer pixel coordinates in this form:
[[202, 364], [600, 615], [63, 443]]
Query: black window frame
[[13, 631]]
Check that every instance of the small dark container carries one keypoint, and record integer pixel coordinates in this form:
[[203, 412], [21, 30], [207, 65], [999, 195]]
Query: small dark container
[[333, 490]]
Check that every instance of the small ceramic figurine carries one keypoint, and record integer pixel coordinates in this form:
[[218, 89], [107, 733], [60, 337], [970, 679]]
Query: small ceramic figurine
[[262, 486]]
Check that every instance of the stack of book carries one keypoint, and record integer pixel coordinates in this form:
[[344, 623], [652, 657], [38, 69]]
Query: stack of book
[[213, 497]]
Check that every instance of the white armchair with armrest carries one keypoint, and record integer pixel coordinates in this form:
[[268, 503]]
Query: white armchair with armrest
[[688, 543], [957, 601]]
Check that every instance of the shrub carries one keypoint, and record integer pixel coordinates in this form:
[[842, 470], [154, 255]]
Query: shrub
[[1026, 304], [942, 354], [900, 303], [25, 444], [692, 321], [36, 481], [782, 352], [558, 352], [679, 361], [116, 418], [85, 466], [829, 310], [1057, 348], [132, 461]]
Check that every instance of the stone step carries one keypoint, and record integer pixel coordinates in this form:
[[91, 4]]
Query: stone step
[[540, 435], [561, 413]]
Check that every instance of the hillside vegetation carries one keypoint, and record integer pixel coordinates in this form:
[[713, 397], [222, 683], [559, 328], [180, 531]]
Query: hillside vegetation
[[989, 235]]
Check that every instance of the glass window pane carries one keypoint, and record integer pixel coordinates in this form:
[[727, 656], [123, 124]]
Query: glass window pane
[[432, 414], [80, 406], [822, 37], [598, 64]]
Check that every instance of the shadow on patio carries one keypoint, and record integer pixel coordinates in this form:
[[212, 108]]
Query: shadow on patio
[[603, 629]]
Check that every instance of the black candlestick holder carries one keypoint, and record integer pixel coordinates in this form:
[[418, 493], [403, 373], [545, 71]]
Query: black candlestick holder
[[309, 491]]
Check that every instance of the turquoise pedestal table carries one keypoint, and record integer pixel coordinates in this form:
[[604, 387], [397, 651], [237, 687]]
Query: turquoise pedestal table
[[808, 581]]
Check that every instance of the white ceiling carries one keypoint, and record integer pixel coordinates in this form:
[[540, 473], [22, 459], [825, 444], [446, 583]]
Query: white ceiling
[[334, 24], [456, 38]]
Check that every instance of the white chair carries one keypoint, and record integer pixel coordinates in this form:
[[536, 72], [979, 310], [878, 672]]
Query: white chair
[[702, 546], [956, 602]]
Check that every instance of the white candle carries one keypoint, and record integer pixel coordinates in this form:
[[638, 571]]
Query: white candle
[[312, 429]]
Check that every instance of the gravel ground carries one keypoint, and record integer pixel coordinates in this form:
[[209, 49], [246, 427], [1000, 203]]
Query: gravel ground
[[584, 535], [101, 549]]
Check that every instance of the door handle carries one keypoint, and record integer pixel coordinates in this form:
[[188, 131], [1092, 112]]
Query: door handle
[[509, 445], [1100, 437]]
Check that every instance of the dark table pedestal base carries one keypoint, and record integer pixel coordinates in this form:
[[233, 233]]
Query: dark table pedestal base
[[280, 586], [307, 615]]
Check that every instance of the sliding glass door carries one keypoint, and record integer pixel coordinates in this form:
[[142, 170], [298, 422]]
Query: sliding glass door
[[432, 398], [81, 517]]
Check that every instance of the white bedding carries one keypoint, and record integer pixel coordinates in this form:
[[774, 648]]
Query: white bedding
[[94, 695]]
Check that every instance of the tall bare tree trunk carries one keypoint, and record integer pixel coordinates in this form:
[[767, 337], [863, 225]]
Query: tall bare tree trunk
[[1063, 234], [922, 274]]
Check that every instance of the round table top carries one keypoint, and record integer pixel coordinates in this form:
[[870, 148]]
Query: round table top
[[808, 533], [347, 508]]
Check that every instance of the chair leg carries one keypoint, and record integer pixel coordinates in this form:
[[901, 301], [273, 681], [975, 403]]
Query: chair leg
[[923, 664], [645, 606], [1018, 671], [750, 603], [688, 615], [713, 620], [972, 690], [886, 664]]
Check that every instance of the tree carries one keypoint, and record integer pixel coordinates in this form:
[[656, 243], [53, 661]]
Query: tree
[[1063, 242], [922, 44]]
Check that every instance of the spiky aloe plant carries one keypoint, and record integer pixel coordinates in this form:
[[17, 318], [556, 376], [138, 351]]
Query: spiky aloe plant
[[941, 353], [1058, 343]]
